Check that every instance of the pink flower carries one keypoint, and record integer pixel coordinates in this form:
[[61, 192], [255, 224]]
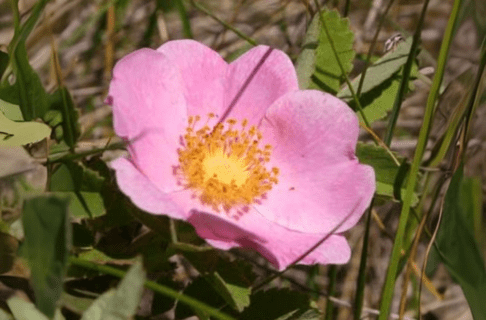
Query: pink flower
[[277, 175]]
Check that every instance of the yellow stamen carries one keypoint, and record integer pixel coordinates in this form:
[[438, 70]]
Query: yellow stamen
[[225, 167]]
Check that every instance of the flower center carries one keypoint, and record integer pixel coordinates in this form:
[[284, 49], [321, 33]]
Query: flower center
[[225, 167]]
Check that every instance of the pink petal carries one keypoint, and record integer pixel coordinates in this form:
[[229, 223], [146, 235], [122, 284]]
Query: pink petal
[[321, 183], [149, 110], [143, 193], [203, 72], [276, 243], [275, 78]]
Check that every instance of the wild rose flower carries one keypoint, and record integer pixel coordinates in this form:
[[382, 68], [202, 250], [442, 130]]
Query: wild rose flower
[[276, 174]]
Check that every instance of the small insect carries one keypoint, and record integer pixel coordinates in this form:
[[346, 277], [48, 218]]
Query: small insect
[[392, 43]]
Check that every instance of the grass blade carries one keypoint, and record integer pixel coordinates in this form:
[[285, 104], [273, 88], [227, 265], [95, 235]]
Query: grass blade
[[389, 285]]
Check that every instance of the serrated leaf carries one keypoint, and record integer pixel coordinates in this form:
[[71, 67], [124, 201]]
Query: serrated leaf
[[458, 248], [20, 133], [380, 71], [327, 74], [46, 247], [122, 303], [386, 170]]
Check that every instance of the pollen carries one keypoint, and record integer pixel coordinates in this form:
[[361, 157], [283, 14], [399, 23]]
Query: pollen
[[225, 166]]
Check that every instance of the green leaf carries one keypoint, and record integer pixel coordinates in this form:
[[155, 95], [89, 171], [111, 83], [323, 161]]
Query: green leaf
[[95, 256], [67, 177], [62, 101], [327, 74], [472, 189], [237, 296], [380, 71], [199, 289], [278, 304], [306, 62], [452, 111], [26, 28], [20, 133], [477, 10], [379, 101], [232, 280], [121, 303], [186, 23], [458, 248], [5, 316], [119, 210], [70, 179], [83, 204], [74, 303], [386, 170], [46, 247], [72, 176], [23, 86], [11, 111], [23, 310]]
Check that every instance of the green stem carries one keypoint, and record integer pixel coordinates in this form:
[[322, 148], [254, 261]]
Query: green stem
[[405, 77], [332, 275], [226, 25], [80, 155], [166, 291], [475, 96], [372, 48], [360, 283], [389, 285], [173, 231], [186, 24], [343, 73], [347, 4], [16, 14]]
